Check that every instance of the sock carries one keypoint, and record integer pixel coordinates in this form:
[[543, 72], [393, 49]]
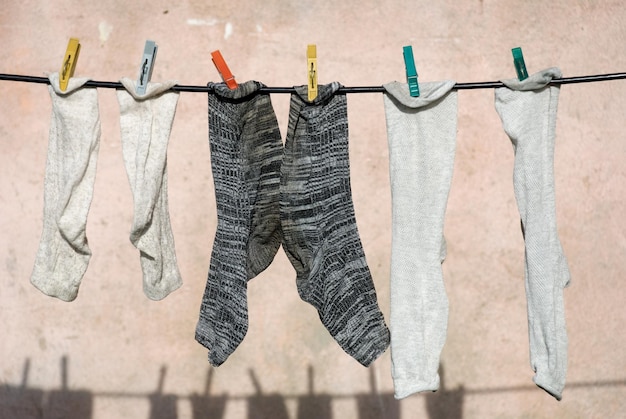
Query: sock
[[421, 133], [73, 145], [146, 122], [528, 112], [320, 233], [246, 154]]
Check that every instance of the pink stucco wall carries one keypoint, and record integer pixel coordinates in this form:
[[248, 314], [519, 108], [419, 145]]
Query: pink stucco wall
[[112, 353]]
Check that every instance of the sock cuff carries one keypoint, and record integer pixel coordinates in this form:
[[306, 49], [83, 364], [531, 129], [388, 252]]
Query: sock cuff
[[535, 81], [73, 84], [241, 94], [153, 90], [429, 93], [406, 386]]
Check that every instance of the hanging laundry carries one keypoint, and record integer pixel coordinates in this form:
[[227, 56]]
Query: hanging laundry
[[145, 123], [528, 113], [246, 154], [421, 132], [321, 238], [73, 145]]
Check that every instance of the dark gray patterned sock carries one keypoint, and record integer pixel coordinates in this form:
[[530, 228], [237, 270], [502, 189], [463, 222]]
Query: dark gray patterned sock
[[246, 155], [320, 234]]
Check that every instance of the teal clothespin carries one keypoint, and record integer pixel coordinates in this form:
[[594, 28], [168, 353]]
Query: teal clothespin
[[147, 64], [520, 66], [411, 72]]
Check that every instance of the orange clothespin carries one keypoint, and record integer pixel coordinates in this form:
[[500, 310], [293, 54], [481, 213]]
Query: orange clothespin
[[69, 63], [223, 69]]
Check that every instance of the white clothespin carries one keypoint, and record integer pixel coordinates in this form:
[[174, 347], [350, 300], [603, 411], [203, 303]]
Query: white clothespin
[[147, 64]]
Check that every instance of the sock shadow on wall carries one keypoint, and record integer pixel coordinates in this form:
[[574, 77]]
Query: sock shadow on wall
[[21, 401], [162, 406], [445, 403], [206, 406], [314, 405], [24, 402], [261, 406], [375, 405]]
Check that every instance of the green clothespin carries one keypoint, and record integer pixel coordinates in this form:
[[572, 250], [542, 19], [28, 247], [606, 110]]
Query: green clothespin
[[411, 72], [520, 66]]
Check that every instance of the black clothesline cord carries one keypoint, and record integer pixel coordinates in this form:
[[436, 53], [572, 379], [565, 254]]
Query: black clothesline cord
[[363, 89]]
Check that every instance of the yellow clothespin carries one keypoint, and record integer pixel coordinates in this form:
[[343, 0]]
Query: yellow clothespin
[[69, 63], [311, 61]]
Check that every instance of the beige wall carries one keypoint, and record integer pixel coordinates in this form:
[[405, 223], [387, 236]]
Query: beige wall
[[122, 352]]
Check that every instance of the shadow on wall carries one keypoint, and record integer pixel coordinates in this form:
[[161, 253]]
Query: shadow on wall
[[25, 403], [445, 403], [22, 402]]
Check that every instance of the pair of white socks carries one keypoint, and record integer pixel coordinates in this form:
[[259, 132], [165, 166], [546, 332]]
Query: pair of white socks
[[422, 138], [74, 141]]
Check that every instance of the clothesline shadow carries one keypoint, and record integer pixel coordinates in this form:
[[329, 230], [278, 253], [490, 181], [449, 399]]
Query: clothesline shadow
[[24, 402]]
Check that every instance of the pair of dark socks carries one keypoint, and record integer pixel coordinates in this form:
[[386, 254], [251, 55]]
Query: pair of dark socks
[[299, 196]]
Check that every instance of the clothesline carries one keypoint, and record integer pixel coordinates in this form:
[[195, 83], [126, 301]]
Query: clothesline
[[362, 89]]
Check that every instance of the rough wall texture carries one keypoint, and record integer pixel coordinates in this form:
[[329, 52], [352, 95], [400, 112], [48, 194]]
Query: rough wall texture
[[114, 353]]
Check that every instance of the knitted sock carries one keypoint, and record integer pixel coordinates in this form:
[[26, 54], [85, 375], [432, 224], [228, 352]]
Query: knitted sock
[[421, 132], [146, 122], [528, 112], [246, 153], [74, 141], [320, 233]]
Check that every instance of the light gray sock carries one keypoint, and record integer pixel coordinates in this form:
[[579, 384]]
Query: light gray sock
[[73, 145], [421, 134], [528, 112], [146, 122]]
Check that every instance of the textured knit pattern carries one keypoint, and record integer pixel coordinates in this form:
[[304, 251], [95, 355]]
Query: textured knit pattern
[[246, 155], [320, 234], [146, 123], [421, 132], [528, 111], [73, 145]]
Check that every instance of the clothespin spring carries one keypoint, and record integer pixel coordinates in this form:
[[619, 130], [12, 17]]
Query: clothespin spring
[[66, 66]]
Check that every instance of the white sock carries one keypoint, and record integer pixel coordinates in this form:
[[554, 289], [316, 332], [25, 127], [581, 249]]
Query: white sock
[[528, 112], [421, 133], [146, 122], [73, 145]]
